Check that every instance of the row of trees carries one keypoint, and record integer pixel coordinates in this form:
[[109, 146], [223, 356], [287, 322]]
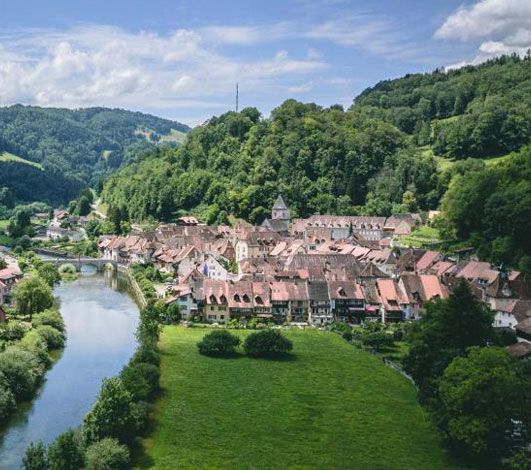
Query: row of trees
[[263, 343], [118, 416], [33, 329]]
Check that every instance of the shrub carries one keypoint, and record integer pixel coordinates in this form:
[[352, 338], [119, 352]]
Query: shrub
[[54, 339], [347, 335], [113, 414], [12, 331], [107, 454], [266, 343], [65, 453], [7, 399], [35, 457], [49, 317], [146, 354], [218, 343], [504, 336], [378, 340], [141, 380], [21, 370], [35, 344]]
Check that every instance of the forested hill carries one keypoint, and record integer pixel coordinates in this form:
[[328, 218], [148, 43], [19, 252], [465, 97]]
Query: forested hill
[[480, 111], [375, 158], [50, 153]]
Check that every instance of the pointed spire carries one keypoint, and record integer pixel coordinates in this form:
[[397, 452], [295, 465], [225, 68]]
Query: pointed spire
[[279, 203]]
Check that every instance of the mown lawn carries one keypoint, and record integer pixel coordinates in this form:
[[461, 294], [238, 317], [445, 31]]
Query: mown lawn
[[331, 406]]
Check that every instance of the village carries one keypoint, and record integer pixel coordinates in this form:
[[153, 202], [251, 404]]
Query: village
[[313, 271]]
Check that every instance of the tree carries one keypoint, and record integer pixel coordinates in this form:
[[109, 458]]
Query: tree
[[107, 454], [65, 453], [32, 295], [49, 273], [35, 457], [21, 370], [83, 206], [447, 329], [266, 343], [113, 414], [484, 398], [218, 343]]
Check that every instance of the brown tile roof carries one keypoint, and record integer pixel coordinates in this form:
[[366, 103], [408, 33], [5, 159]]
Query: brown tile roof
[[345, 290], [428, 259]]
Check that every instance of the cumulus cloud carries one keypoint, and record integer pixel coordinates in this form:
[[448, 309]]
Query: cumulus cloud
[[98, 64], [496, 26]]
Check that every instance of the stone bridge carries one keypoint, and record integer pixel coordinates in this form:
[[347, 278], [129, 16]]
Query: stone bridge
[[99, 263]]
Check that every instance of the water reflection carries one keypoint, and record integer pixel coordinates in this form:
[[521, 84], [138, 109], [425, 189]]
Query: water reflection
[[100, 320]]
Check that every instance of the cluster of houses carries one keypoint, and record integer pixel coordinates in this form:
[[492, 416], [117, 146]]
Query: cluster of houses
[[65, 226], [313, 270]]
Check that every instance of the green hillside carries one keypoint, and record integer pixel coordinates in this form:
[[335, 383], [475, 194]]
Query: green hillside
[[72, 143], [475, 111], [332, 406], [9, 157]]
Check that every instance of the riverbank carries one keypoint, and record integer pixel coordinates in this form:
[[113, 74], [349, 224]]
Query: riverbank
[[331, 406], [101, 320]]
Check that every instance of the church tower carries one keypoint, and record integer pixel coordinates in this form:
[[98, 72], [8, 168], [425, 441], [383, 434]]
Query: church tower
[[280, 210]]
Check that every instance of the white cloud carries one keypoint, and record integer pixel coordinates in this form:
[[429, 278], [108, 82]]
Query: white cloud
[[496, 26], [95, 65], [302, 88]]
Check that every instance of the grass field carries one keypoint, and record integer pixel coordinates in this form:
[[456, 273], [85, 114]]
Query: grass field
[[330, 406], [9, 157], [421, 237]]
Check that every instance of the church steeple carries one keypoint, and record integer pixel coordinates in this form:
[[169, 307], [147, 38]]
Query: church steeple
[[280, 209]]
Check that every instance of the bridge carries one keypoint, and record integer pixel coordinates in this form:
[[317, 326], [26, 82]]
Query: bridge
[[99, 263]]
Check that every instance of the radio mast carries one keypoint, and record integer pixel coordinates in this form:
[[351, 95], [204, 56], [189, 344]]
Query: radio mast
[[237, 96]]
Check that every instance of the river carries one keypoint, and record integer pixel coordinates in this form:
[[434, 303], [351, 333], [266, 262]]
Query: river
[[101, 319]]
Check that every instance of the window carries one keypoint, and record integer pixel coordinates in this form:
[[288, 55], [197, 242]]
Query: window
[[222, 317]]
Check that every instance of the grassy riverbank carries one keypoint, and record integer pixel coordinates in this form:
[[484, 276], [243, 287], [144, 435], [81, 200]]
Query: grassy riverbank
[[331, 406]]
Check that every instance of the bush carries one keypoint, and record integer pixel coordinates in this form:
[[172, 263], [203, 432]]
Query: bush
[[378, 340], [347, 336], [54, 339], [7, 399], [218, 343], [65, 453], [21, 370], [147, 355], [107, 454], [35, 344], [12, 331], [49, 317], [266, 343], [35, 457], [141, 380], [504, 336], [113, 414]]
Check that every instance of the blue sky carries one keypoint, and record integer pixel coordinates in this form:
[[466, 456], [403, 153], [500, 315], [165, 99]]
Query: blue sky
[[181, 59]]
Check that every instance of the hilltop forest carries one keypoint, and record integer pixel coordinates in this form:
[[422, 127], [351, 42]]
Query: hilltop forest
[[50, 154], [411, 144]]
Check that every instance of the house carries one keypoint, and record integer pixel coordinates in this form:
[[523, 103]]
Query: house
[[279, 221], [8, 278], [347, 301], [290, 301], [216, 301], [214, 269], [394, 304], [420, 289], [187, 221], [256, 244], [183, 295], [320, 312]]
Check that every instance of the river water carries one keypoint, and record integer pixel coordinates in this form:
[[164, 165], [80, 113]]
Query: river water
[[101, 319]]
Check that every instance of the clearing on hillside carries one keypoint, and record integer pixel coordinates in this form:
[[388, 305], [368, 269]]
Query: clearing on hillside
[[9, 157], [329, 406]]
